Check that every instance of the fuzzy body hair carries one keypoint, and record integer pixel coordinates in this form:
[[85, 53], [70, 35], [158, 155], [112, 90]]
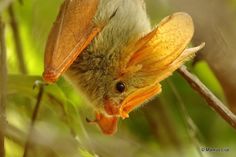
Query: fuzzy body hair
[[95, 70]]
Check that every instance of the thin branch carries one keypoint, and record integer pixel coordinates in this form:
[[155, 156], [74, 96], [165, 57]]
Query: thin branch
[[210, 98], [17, 40], [3, 84], [33, 120]]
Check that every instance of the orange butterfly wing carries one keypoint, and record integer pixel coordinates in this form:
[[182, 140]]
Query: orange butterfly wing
[[70, 35]]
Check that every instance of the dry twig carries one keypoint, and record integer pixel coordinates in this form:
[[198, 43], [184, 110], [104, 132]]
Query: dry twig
[[210, 98]]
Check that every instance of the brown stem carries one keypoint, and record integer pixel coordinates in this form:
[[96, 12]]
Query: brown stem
[[3, 84], [210, 98], [17, 40], [33, 120]]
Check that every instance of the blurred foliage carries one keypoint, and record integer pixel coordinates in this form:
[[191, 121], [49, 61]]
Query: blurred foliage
[[160, 128]]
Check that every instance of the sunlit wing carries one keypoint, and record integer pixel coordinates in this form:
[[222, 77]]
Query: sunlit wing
[[71, 33], [163, 45]]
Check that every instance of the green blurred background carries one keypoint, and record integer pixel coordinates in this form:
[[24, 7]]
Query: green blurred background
[[176, 123]]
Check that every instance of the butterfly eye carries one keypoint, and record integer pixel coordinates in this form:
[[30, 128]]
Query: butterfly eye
[[120, 87]]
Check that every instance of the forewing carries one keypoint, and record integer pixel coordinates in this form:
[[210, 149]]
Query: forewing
[[70, 35]]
